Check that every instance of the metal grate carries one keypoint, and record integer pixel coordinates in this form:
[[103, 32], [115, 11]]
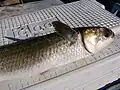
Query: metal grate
[[76, 14]]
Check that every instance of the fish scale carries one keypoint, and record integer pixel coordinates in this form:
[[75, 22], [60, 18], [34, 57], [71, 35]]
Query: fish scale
[[26, 56]]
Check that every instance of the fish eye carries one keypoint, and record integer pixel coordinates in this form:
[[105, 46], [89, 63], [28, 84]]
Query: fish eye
[[107, 34]]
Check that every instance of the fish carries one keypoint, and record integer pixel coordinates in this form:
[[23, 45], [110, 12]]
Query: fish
[[32, 56], [94, 39]]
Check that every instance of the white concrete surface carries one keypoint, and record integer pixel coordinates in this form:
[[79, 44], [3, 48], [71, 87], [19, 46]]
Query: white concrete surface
[[10, 11]]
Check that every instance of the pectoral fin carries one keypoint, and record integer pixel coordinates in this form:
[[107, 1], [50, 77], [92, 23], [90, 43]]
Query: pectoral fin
[[14, 39], [65, 31]]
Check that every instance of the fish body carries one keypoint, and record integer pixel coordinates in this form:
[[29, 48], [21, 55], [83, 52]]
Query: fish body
[[36, 55]]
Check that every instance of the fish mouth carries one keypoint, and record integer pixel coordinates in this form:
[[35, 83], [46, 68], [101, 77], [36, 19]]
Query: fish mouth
[[113, 35]]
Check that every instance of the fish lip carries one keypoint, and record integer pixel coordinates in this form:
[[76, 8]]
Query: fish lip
[[113, 35]]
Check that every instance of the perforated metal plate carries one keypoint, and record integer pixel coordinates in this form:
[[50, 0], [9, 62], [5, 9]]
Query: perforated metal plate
[[77, 14]]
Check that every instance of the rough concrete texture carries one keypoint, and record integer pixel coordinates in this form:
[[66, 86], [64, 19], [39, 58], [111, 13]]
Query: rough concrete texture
[[9, 11], [10, 2]]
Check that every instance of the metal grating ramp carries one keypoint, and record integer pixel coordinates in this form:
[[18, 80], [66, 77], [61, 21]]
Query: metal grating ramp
[[76, 14]]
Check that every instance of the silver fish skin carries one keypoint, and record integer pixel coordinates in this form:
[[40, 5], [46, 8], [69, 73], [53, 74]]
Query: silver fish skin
[[33, 56], [94, 39]]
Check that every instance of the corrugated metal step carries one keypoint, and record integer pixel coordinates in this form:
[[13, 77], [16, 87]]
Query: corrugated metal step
[[77, 14]]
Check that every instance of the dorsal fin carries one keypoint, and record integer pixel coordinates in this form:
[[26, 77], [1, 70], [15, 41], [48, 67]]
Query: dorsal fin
[[65, 31]]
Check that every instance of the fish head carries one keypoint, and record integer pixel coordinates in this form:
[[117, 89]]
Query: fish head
[[95, 39]]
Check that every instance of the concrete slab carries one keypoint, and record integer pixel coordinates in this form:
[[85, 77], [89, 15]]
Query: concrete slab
[[14, 10]]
